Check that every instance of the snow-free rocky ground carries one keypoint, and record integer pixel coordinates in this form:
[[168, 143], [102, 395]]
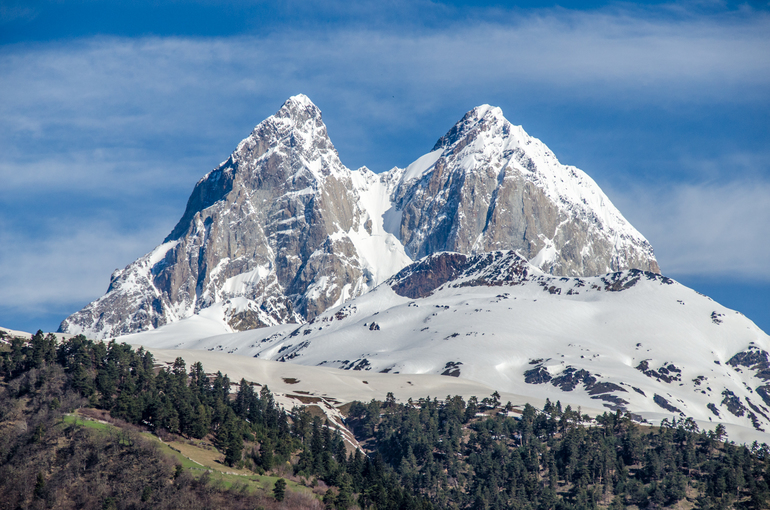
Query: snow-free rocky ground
[[630, 340]]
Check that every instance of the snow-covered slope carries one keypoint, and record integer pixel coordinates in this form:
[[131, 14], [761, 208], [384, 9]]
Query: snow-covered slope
[[630, 340], [282, 230]]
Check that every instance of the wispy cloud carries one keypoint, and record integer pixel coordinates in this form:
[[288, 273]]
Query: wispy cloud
[[714, 231], [15, 11], [148, 93], [71, 265]]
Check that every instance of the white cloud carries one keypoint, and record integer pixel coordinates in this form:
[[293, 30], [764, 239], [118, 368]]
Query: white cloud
[[143, 95], [159, 83], [72, 265], [714, 231]]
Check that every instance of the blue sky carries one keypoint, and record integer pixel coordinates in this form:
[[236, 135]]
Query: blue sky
[[111, 112]]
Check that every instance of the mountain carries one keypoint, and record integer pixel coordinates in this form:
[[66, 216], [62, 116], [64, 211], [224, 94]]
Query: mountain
[[487, 185], [485, 259], [282, 230], [629, 340], [277, 233]]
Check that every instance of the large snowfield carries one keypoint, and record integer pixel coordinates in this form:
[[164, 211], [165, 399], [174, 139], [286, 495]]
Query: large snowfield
[[654, 343]]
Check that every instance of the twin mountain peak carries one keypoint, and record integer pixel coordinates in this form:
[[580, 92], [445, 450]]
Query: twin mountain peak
[[282, 230]]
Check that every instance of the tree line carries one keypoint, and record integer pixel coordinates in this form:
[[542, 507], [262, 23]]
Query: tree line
[[420, 454], [42, 375], [480, 455]]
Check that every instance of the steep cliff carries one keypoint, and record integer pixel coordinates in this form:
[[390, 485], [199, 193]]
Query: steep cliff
[[277, 233], [487, 185]]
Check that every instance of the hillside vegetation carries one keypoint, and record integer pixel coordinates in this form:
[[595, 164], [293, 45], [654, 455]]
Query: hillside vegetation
[[421, 454]]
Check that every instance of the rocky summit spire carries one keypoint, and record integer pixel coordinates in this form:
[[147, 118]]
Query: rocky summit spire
[[282, 230], [487, 185], [290, 148], [484, 115], [277, 233]]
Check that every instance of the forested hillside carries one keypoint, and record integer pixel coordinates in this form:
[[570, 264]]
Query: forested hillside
[[422, 454], [459, 456], [45, 463]]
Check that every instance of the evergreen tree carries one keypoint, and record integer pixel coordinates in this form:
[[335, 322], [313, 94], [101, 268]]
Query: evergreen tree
[[279, 489]]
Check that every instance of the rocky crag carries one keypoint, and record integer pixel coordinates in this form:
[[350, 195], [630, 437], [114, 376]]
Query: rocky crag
[[282, 230], [492, 187]]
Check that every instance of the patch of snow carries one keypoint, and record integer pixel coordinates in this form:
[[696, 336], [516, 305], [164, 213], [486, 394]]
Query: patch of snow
[[240, 284], [421, 165], [160, 252], [546, 255]]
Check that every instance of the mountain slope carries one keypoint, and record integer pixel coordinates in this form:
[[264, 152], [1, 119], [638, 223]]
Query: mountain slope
[[630, 340], [282, 230]]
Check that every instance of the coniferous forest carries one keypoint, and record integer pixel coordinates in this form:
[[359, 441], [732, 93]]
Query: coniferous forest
[[424, 454]]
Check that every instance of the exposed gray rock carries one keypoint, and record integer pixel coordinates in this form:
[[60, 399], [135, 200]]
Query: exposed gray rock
[[266, 233], [282, 230], [496, 188]]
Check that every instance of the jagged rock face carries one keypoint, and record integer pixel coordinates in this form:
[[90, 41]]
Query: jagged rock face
[[423, 277], [282, 230], [493, 187], [489, 269], [266, 234], [288, 192]]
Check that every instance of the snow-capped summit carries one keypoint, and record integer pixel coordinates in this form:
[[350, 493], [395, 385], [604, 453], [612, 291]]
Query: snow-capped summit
[[277, 233], [488, 185], [484, 114], [282, 230]]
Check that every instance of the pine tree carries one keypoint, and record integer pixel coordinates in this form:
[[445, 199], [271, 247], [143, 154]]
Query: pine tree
[[39, 491], [279, 489], [344, 497]]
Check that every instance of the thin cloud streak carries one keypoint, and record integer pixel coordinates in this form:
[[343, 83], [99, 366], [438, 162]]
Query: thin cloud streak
[[73, 265], [113, 92], [693, 60], [713, 231]]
